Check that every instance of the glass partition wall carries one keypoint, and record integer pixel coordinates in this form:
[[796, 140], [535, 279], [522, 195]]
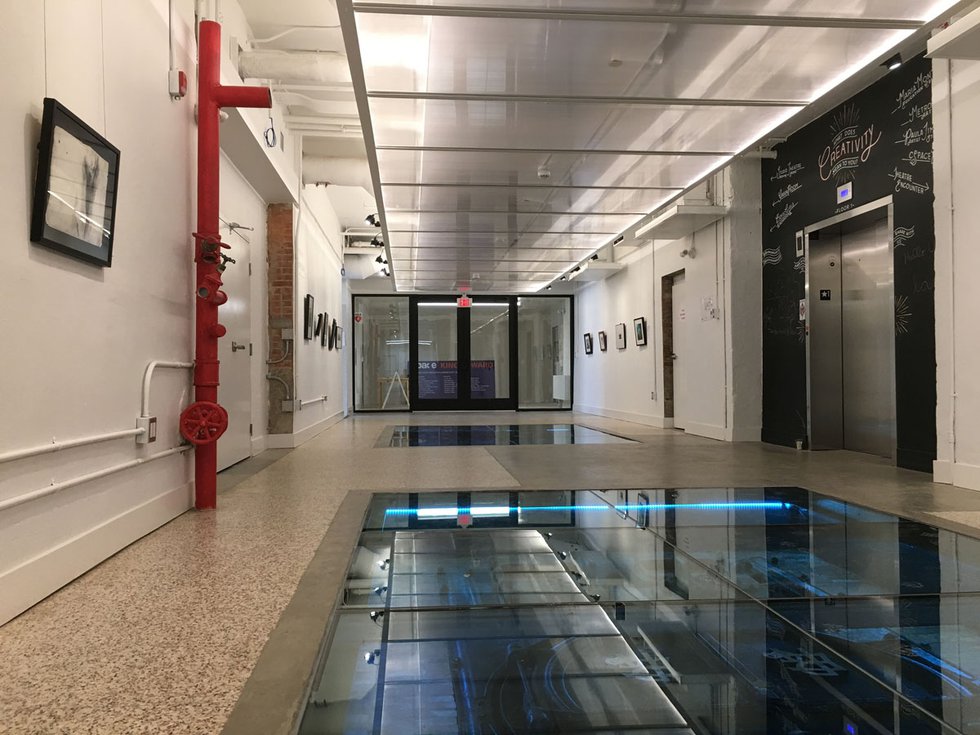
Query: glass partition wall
[[426, 353]]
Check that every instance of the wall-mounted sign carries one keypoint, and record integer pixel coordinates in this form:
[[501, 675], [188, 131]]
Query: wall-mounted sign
[[825, 294], [845, 192]]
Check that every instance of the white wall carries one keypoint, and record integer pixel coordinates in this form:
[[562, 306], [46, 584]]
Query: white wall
[[78, 337], [617, 383], [319, 371], [724, 354], [956, 116]]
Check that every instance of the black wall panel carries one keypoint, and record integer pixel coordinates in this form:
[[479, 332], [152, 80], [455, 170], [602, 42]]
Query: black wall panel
[[881, 141]]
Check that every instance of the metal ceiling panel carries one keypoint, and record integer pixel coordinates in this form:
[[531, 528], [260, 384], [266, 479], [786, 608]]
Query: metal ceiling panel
[[519, 168], [512, 140], [560, 58], [898, 9], [416, 198], [644, 129]]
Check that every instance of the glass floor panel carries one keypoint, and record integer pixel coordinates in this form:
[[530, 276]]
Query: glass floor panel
[[701, 611], [491, 435]]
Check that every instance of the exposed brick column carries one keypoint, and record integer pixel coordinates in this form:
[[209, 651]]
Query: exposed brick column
[[280, 247]]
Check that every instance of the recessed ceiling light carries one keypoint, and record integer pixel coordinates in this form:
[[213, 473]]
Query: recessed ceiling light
[[893, 63]]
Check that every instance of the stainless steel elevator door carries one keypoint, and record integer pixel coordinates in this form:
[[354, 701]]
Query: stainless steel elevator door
[[851, 335], [868, 339]]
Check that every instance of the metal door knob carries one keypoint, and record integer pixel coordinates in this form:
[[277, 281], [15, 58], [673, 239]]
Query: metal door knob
[[235, 347]]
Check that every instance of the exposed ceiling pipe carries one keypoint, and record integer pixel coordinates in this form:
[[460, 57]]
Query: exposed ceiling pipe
[[325, 67], [337, 172]]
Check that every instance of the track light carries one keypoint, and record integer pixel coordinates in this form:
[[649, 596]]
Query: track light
[[384, 272], [378, 242], [383, 565], [373, 220], [893, 63], [375, 614], [381, 259]]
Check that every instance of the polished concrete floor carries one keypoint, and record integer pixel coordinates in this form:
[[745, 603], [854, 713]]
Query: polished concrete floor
[[164, 636]]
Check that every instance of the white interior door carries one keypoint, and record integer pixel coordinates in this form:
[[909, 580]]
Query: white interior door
[[680, 321], [234, 351]]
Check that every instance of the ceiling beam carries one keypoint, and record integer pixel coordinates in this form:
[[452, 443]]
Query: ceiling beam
[[508, 212], [581, 99], [554, 151], [635, 16], [418, 185]]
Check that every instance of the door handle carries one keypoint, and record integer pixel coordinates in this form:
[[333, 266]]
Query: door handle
[[235, 347]]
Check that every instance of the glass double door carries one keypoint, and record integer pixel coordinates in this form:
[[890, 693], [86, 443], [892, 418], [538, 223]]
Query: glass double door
[[463, 358]]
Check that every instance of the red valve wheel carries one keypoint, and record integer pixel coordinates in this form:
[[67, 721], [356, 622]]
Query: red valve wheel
[[203, 422]]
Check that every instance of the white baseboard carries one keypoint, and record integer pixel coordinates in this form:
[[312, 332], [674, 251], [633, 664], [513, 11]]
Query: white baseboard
[[747, 434], [636, 418], [942, 472], [707, 430], [290, 441], [259, 444], [29, 583], [966, 475]]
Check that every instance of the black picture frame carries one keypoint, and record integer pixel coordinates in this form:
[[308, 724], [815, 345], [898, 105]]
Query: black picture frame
[[640, 331], [308, 317], [621, 336], [75, 187], [319, 325], [323, 332], [588, 343], [603, 343], [338, 343], [332, 337]]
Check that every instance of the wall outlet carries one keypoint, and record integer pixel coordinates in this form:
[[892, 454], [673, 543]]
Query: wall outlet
[[149, 426]]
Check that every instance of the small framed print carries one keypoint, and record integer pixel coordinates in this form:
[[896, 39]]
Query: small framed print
[[332, 336], [338, 342], [319, 325], [621, 336], [640, 330], [309, 318], [323, 331], [75, 189], [588, 343], [602, 342]]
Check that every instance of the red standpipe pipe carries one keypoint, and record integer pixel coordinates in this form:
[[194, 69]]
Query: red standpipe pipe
[[212, 96]]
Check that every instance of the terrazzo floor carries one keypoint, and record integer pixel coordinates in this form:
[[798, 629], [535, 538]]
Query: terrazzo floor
[[162, 637]]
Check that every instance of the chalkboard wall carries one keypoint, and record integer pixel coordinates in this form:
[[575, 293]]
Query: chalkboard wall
[[881, 140]]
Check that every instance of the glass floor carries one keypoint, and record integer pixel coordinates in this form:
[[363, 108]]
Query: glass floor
[[720, 611], [495, 435]]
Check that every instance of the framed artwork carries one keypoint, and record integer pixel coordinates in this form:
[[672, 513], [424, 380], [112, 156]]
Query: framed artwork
[[319, 325], [588, 343], [602, 342], [640, 330], [323, 331], [308, 317], [75, 189], [332, 336], [621, 336], [338, 343]]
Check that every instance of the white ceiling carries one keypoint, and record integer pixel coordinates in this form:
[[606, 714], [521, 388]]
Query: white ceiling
[[510, 141]]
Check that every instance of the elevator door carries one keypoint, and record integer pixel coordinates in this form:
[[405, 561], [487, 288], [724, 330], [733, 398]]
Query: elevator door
[[852, 337]]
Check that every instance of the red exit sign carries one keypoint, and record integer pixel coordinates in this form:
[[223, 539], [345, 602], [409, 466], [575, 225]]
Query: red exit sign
[[464, 302]]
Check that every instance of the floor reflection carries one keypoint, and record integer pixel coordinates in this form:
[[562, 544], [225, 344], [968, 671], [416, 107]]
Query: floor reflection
[[495, 435], [670, 611]]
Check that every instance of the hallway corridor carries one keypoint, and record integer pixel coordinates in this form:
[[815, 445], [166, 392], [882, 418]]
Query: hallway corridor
[[163, 636]]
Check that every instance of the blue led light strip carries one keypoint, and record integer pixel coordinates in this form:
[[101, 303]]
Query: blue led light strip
[[452, 510]]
